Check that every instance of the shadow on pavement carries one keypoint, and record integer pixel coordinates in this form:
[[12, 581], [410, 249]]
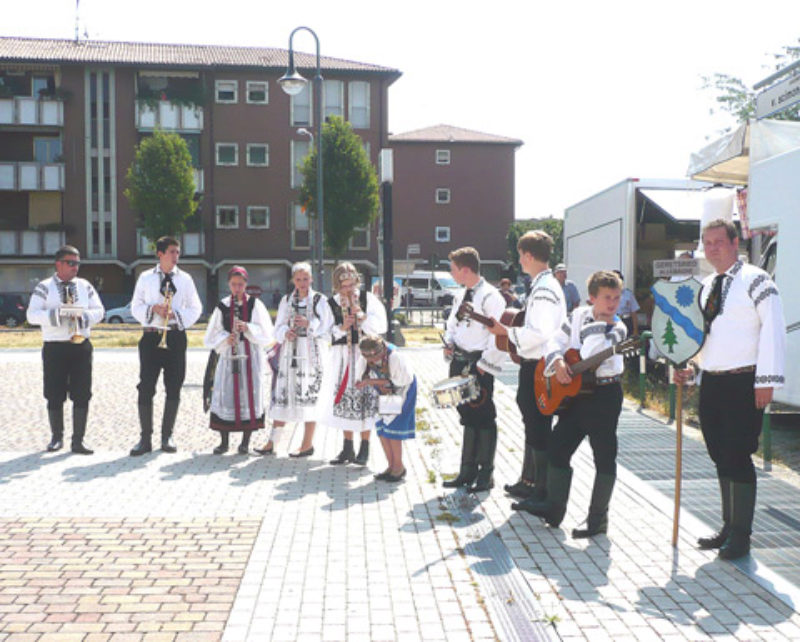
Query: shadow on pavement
[[111, 468], [21, 466]]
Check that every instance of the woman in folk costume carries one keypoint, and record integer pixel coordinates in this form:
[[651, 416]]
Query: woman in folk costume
[[389, 374], [355, 312], [304, 318], [238, 331]]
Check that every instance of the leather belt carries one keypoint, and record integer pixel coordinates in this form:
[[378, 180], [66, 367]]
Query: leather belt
[[459, 354], [169, 329], [732, 371], [607, 381]]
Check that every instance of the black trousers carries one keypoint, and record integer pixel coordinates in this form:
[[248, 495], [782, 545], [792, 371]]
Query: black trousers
[[152, 360], [594, 415], [731, 423], [537, 426], [67, 370], [480, 413]]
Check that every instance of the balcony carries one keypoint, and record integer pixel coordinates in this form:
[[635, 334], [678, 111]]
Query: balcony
[[192, 244], [32, 177], [30, 111], [30, 242], [169, 117]]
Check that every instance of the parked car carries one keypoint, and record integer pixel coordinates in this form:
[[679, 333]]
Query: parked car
[[12, 309], [120, 315]]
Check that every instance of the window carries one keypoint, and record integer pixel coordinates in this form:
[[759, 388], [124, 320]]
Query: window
[[360, 239], [359, 104], [227, 154], [442, 235], [334, 97], [227, 217], [442, 156], [257, 92], [300, 149], [40, 85], [442, 195], [257, 217], [301, 107], [46, 150], [257, 155], [226, 91], [301, 237]]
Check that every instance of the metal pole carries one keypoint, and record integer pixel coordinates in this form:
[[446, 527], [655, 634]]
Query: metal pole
[[388, 256], [645, 336], [766, 430], [678, 465], [320, 196], [671, 376]]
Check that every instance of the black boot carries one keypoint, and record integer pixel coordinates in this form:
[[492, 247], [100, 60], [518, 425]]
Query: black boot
[[363, 453], [597, 521], [56, 417], [554, 507], [743, 505], [540, 476], [487, 445], [223, 443], [168, 423], [469, 467], [718, 539], [79, 417], [244, 447], [524, 487], [145, 444], [348, 454]]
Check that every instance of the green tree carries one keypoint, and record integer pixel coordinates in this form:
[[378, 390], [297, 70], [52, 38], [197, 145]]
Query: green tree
[[349, 183], [737, 99], [553, 226], [161, 184], [669, 337]]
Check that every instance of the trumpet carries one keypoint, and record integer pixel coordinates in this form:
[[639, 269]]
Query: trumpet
[[75, 335], [168, 302]]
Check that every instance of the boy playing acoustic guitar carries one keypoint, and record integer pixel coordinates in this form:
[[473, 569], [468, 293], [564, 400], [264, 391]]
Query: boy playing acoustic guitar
[[589, 329], [545, 314]]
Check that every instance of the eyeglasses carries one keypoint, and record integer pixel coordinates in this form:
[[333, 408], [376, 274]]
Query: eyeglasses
[[71, 262]]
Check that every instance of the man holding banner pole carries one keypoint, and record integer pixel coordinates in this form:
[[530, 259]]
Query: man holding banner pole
[[741, 362]]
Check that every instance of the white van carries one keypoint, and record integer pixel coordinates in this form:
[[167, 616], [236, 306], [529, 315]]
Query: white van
[[426, 288]]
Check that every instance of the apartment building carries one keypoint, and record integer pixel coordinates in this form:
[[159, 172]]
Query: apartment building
[[72, 112], [453, 187]]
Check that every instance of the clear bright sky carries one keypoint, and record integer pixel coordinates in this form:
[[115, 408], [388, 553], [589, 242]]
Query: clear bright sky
[[597, 90]]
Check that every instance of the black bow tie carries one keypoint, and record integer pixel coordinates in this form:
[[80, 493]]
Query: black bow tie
[[167, 284], [714, 302]]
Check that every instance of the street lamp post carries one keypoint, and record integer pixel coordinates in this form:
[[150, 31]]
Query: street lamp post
[[293, 83]]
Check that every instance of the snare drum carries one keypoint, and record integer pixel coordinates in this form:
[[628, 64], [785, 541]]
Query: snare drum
[[455, 391]]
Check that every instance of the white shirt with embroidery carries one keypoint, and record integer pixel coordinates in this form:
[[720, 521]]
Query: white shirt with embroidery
[[749, 329], [45, 306], [473, 336], [545, 313], [581, 332], [186, 303]]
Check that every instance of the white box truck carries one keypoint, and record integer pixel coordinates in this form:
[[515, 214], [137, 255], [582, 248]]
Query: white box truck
[[628, 226]]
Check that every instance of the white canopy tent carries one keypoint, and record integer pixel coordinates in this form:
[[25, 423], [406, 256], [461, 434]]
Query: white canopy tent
[[727, 160]]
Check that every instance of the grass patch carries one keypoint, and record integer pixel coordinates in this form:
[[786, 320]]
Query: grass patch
[[431, 476], [423, 426], [431, 440], [104, 335], [447, 516], [448, 476]]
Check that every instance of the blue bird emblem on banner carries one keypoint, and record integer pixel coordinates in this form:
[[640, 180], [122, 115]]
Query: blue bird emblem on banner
[[677, 319]]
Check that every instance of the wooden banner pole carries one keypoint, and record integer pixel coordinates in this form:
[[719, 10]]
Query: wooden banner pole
[[678, 461]]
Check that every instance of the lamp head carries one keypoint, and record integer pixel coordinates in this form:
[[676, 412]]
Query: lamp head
[[292, 82]]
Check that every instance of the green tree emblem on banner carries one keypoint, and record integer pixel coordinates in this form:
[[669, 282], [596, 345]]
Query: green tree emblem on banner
[[669, 337]]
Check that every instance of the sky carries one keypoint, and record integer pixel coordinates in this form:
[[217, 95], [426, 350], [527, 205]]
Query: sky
[[597, 91]]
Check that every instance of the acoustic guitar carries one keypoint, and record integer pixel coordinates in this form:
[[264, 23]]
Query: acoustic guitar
[[511, 317], [550, 393]]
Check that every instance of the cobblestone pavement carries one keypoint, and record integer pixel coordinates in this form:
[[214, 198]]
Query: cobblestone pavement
[[197, 546]]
